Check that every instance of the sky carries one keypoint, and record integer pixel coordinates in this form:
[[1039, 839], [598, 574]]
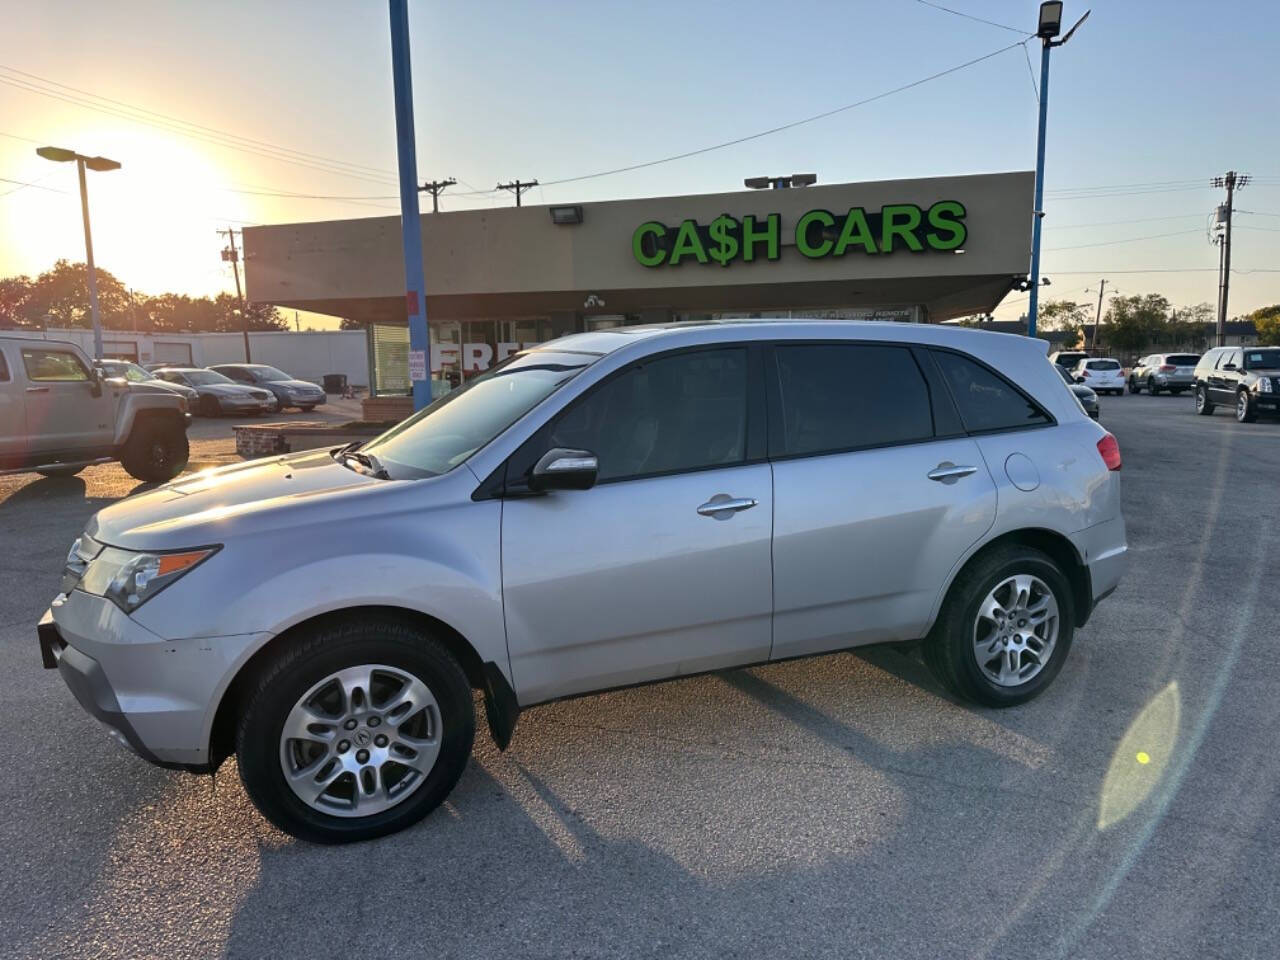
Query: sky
[[245, 102]]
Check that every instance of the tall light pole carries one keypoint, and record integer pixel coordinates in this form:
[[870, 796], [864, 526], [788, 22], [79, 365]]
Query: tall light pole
[[101, 165], [1050, 26], [410, 224]]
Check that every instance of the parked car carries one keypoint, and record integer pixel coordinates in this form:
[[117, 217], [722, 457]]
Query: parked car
[[1101, 374], [288, 391], [1246, 377], [133, 373], [610, 508], [1174, 372], [218, 394], [1088, 399], [1068, 358], [58, 414]]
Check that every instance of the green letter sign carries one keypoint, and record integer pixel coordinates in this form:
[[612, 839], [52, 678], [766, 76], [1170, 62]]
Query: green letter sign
[[819, 234]]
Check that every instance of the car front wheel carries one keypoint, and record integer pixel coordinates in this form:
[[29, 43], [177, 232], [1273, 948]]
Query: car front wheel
[[1133, 386], [355, 731], [1004, 630], [1245, 411], [1204, 406], [156, 451]]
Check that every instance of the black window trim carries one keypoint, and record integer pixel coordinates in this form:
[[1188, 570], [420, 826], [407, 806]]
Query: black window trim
[[499, 485], [1050, 419], [88, 374], [4, 368], [774, 393]]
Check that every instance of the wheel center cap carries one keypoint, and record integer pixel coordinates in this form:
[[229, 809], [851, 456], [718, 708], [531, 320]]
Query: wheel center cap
[[362, 737]]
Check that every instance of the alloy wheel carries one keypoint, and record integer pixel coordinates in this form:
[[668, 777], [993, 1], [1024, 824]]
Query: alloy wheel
[[1242, 406], [360, 741], [1015, 630], [1201, 399]]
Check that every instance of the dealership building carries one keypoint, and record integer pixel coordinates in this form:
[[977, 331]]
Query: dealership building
[[923, 250]]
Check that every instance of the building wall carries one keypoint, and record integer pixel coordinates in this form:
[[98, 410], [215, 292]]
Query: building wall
[[308, 356]]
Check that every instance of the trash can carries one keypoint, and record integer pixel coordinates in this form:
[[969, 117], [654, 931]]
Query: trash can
[[335, 383]]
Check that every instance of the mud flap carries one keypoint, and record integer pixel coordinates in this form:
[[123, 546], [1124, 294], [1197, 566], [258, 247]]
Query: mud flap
[[500, 705]]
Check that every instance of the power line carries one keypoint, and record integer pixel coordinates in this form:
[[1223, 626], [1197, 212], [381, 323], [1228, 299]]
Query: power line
[[1031, 71], [779, 129], [969, 16], [22, 184], [517, 187], [1110, 243]]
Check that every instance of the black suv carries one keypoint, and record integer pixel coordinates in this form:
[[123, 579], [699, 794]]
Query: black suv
[[1247, 377]]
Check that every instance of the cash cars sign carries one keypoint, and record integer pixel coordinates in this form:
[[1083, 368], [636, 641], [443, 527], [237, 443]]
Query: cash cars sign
[[819, 234]]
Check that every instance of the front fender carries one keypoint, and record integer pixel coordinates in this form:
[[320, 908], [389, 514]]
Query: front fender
[[133, 404]]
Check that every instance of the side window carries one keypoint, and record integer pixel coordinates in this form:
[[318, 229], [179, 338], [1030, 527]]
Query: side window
[[4, 368], [987, 401], [682, 412], [848, 396], [49, 366]]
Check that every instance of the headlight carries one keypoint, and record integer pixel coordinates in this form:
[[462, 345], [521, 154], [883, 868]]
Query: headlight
[[1264, 384], [130, 579]]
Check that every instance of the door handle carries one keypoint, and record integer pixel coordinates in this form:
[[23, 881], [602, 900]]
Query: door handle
[[37, 389], [948, 472], [723, 504]]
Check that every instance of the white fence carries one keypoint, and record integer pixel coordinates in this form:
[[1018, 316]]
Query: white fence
[[307, 356]]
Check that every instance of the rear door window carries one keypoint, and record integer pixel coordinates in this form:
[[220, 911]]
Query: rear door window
[[1103, 365], [837, 397], [1182, 359], [987, 401]]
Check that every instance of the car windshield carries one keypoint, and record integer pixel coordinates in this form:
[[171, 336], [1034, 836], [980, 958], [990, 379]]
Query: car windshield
[[1070, 359], [441, 436], [267, 374], [1182, 360], [1262, 359], [205, 377], [1103, 365], [130, 371]]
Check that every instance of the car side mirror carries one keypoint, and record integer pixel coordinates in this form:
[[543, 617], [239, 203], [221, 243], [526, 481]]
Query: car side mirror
[[95, 381], [1079, 379], [563, 469]]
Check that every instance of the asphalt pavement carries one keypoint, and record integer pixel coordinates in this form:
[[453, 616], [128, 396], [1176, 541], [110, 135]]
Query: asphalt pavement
[[835, 807]]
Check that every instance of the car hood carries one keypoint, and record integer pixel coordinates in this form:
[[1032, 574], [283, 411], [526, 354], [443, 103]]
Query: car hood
[[210, 506], [166, 386], [302, 385]]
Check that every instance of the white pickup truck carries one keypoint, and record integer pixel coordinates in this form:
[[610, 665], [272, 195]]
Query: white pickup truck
[[59, 413]]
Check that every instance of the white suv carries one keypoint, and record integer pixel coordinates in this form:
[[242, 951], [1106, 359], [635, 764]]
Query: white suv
[[610, 508], [1100, 374]]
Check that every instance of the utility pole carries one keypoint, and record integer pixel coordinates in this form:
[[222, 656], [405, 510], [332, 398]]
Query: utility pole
[[1231, 181], [518, 187], [231, 254], [435, 188], [1097, 321]]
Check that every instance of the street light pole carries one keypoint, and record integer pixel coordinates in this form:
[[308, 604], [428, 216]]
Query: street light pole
[[101, 164], [1050, 26], [88, 259]]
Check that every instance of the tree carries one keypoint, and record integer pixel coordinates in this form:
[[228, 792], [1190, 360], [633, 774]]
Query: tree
[[1267, 320], [1066, 315], [62, 295], [15, 292], [349, 323], [1133, 322], [1187, 326]]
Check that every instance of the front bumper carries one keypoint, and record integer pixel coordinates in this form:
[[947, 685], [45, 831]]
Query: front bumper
[[236, 405], [1173, 380], [157, 697]]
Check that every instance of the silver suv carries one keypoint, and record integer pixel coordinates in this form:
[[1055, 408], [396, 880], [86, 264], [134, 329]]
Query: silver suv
[[59, 413], [1174, 372], [611, 508]]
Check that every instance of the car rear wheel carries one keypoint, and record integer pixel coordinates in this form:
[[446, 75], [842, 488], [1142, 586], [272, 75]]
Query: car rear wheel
[[1151, 387], [1245, 410], [1004, 630], [355, 731], [1204, 406], [156, 451]]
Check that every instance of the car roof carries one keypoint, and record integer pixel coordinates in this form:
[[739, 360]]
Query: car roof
[[672, 335], [23, 340]]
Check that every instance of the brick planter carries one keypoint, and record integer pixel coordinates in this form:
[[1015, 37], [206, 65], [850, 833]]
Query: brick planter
[[382, 409], [268, 439]]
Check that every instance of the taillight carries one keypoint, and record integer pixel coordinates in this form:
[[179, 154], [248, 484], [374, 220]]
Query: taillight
[[1167, 368], [1085, 372], [1110, 451]]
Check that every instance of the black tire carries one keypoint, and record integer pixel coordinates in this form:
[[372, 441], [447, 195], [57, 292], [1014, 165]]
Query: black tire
[[307, 409], [1177, 391], [1204, 406], [1246, 412], [209, 407], [1133, 386], [67, 471], [306, 661], [156, 450], [1152, 388], [948, 649]]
